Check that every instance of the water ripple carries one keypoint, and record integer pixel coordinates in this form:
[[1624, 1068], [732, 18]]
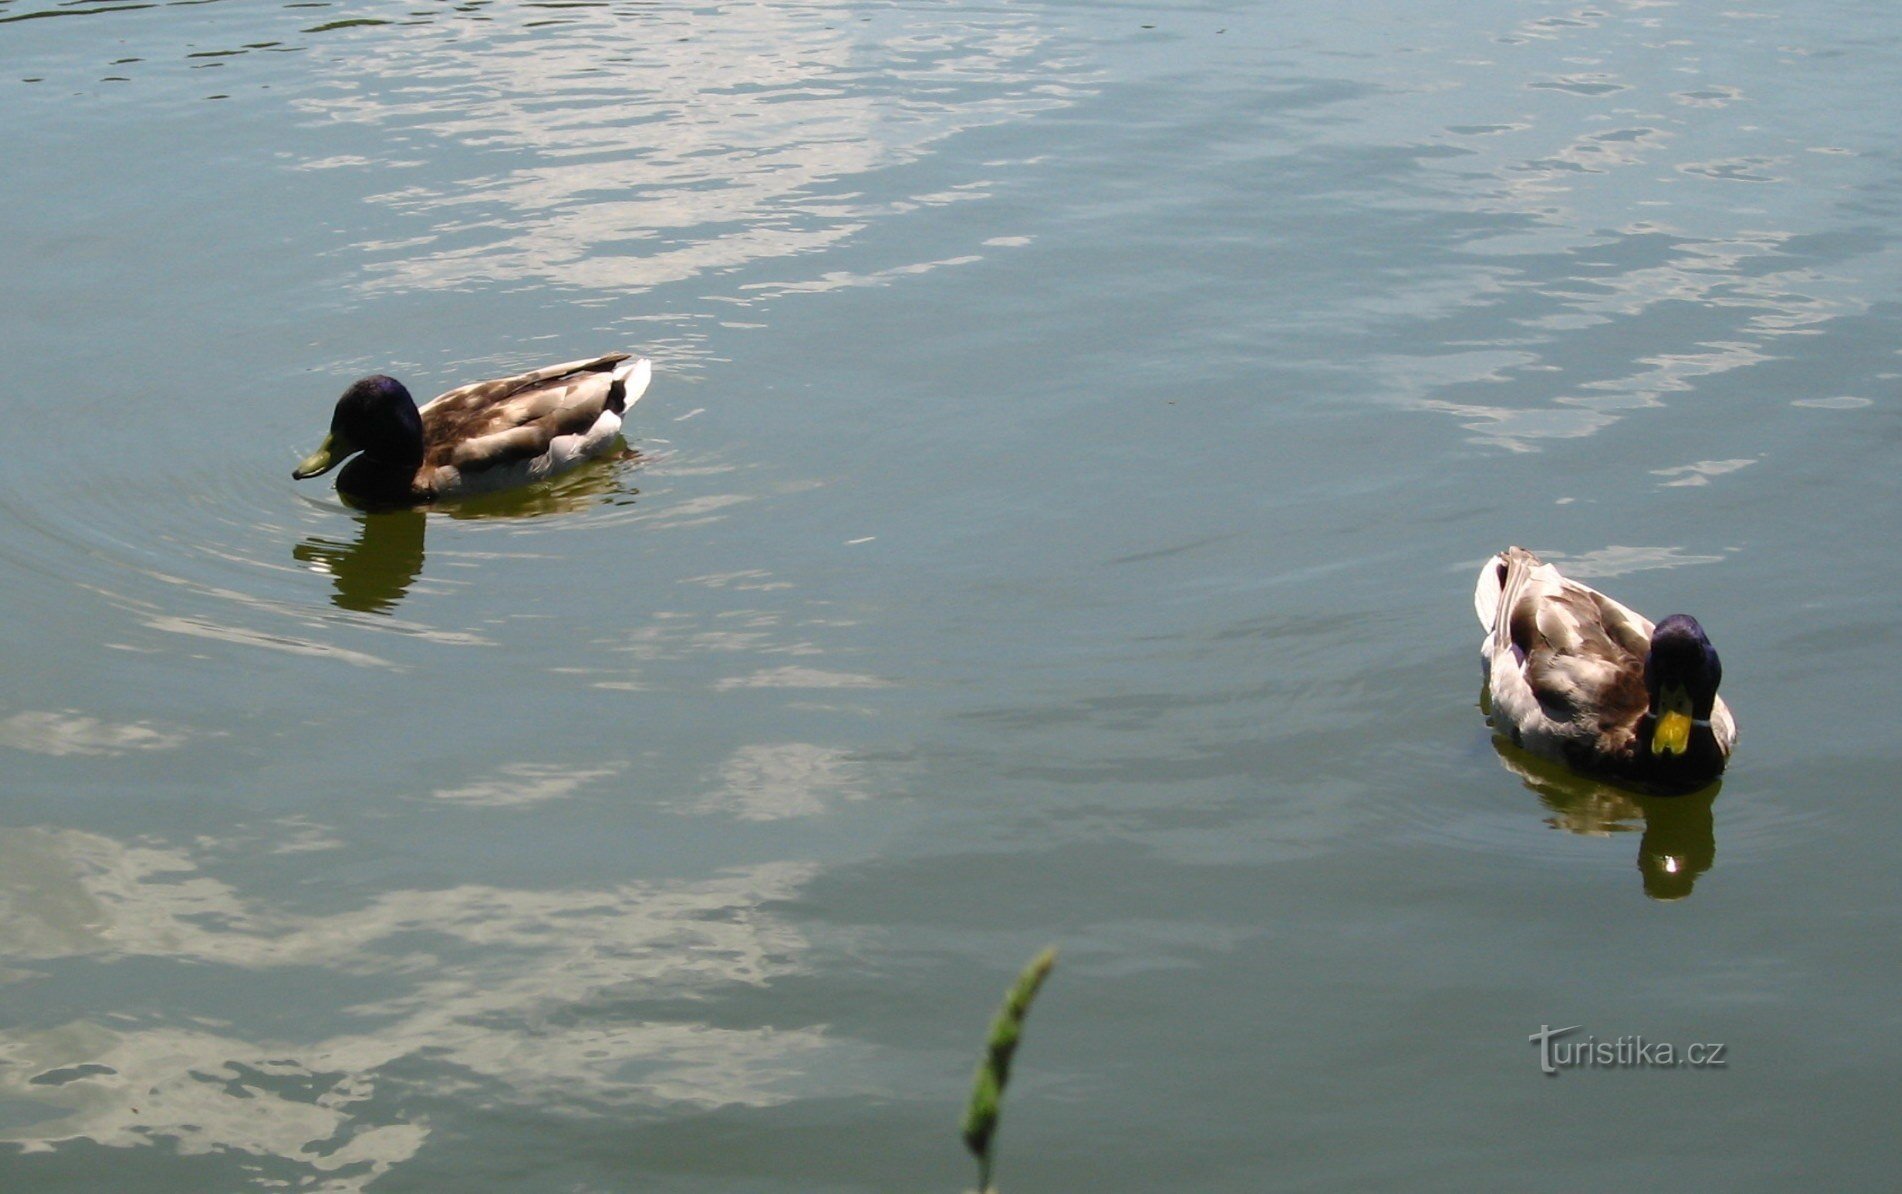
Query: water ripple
[[520, 993], [634, 149]]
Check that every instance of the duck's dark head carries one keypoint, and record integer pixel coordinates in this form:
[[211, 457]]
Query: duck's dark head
[[375, 416], [1681, 674]]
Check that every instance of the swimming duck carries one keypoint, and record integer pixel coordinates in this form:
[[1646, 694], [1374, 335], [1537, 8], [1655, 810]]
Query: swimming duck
[[477, 438], [1577, 677]]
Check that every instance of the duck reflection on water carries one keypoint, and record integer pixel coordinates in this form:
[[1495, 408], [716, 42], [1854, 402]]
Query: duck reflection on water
[[1679, 834], [374, 572]]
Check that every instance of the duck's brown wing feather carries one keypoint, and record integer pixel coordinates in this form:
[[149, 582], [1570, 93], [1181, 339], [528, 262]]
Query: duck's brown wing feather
[[1581, 663], [490, 424]]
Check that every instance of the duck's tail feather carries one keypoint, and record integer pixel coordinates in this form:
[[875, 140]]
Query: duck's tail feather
[[1491, 587], [630, 382]]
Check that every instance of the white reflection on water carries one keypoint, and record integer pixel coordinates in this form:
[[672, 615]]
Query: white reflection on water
[[1624, 205], [1708, 276], [775, 781], [70, 732], [747, 650], [245, 636], [628, 150], [1699, 472], [675, 635], [309, 623], [800, 677], [527, 783], [845, 279], [508, 994], [1838, 402], [1731, 280], [1617, 560]]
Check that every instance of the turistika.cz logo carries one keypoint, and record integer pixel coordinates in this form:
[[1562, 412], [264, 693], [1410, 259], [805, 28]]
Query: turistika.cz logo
[[1624, 1052]]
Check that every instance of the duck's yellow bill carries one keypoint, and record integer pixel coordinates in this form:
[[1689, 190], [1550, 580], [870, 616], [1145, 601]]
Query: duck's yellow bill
[[322, 460], [1672, 736]]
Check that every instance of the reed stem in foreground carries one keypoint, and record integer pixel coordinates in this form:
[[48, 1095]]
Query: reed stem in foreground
[[987, 1089]]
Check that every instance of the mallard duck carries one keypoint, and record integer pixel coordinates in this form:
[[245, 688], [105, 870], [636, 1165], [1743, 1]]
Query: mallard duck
[[477, 438], [1577, 677]]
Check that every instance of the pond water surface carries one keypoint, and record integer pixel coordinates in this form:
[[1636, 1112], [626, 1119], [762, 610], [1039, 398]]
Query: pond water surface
[[1074, 433]]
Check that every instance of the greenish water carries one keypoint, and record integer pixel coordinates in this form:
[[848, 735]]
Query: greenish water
[[1075, 429]]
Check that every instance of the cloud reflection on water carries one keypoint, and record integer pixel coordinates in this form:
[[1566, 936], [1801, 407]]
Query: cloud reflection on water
[[1620, 560], [526, 783], [633, 148], [507, 994], [775, 781], [1616, 209], [70, 732]]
